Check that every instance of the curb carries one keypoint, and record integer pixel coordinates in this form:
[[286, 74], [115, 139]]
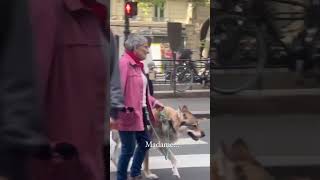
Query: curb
[[201, 114], [271, 93], [186, 94], [268, 102], [167, 87]]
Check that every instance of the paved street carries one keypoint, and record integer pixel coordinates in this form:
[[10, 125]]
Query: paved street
[[196, 105], [193, 156], [281, 127]]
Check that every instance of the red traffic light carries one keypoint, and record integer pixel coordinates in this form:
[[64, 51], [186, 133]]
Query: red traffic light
[[131, 9], [128, 8]]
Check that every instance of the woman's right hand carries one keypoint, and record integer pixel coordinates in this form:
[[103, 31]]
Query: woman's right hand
[[113, 124]]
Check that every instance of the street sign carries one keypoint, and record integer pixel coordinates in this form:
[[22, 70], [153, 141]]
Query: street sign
[[175, 35]]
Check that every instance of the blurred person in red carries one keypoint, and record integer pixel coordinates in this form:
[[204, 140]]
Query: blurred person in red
[[20, 114], [73, 65]]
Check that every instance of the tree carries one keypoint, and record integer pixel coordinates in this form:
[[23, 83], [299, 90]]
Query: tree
[[200, 2], [158, 2], [152, 2], [145, 5]]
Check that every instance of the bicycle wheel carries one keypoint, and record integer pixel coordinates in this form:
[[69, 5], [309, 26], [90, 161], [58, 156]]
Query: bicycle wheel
[[239, 54], [183, 78], [206, 79]]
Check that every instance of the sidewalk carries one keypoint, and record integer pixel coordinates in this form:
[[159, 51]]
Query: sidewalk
[[200, 107]]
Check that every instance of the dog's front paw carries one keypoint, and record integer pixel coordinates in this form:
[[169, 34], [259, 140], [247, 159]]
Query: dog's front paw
[[151, 176], [176, 172]]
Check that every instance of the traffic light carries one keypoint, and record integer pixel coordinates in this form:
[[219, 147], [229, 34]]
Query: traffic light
[[131, 9]]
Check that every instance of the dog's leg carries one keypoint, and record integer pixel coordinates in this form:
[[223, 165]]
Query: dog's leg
[[173, 160], [115, 155], [147, 171], [114, 147]]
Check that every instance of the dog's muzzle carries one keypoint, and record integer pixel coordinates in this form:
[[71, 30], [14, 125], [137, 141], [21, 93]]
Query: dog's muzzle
[[193, 135]]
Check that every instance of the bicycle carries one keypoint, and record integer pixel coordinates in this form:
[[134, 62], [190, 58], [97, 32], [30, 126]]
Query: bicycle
[[243, 38], [187, 74]]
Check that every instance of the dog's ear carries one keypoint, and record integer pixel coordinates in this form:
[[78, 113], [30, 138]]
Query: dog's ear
[[239, 142], [184, 108], [240, 151], [224, 147]]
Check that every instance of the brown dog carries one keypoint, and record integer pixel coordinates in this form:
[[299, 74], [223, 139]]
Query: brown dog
[[237, 163], [170, 125], [174, 124]]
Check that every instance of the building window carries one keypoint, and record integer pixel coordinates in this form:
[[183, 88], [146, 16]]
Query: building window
[[159, 12]]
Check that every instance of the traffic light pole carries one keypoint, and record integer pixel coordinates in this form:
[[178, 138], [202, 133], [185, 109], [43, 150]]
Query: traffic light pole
[[126, 25], [174, 73]]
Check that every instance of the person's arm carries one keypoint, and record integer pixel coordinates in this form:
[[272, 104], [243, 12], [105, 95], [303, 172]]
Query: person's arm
[[20, 127], [116, 95], [154, 103], [115, 84], [123, 67]]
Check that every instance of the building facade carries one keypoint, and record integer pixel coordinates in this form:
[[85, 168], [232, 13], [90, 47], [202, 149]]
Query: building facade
[[152, 21]]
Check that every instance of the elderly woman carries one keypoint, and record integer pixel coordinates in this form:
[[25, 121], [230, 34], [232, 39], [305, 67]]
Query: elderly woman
[[132, 124]]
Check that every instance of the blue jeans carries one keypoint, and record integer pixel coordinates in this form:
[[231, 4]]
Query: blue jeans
[[129, 149]]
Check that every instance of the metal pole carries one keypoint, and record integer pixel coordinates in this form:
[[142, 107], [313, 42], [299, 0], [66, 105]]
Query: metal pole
[[174, 73], [126, 25]]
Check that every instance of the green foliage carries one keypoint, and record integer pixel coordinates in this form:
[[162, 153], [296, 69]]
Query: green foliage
[[144, 8], [201, 2], [159, 2], [152, 2], [146, 5]]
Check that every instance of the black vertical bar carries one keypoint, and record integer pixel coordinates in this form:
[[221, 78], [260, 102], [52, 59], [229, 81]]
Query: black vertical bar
[[174, 73], [126, 24]]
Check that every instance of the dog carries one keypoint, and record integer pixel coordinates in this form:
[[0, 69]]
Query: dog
[[237, 163], [170, 125]]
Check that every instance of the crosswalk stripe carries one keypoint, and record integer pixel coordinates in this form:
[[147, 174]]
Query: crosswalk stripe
[[189, 141], [184, 161], [180, 142]]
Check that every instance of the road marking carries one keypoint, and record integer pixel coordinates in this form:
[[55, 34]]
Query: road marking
[[180, 142], [184, 161]]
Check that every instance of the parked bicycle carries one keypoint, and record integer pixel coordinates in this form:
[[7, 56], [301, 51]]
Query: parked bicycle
[[187, 74], [245, 34]]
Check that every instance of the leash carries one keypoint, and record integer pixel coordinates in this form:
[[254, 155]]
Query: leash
[[162, 119]]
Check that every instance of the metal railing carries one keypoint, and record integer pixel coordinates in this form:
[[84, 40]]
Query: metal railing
[[164, 67]]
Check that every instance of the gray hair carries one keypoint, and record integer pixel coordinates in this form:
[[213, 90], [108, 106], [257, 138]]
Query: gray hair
[[134, 41]]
